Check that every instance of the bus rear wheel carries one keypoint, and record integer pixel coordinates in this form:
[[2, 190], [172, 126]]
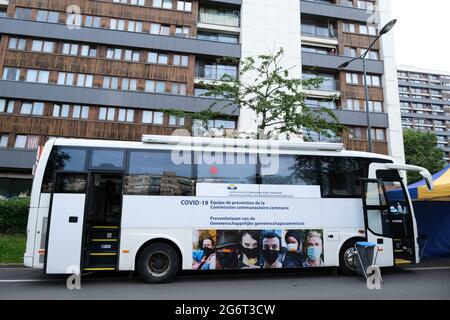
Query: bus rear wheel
[[347, 258], [158, 263]]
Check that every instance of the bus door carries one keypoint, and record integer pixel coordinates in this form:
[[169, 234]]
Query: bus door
[[102, 221], [66, 217], [402, 219], [377, 218]]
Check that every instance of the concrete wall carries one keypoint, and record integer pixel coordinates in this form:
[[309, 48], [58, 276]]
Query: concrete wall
[[267, 25]]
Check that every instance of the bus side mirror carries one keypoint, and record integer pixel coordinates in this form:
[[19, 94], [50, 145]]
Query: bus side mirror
[[428, 179]]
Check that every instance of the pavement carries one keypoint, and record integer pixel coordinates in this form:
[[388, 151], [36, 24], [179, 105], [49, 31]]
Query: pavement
[[428, 280]]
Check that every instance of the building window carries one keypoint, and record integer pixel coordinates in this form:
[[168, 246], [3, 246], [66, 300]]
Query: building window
[[349, 27], [61, 111], [85, 80], [39, 76], [42, 46], [93, 22], [161, 58], [184, 6], [162, 30], [373, 80], [134, 26], [129, 84], [350, 52], [66, 78], [152, 117], [26, 142], [4, 140], [36, 108], [131, 55], [182, 32], [179, 60], [6, 106], [70, 49], [117, 24], [179, 88], [107, 114], [353, 105], [111, 83], [47, 16], [17, 44], [155, 86], [176, 121], [80, 112], [378, 134], [351, 78], [23, 13], [126, 115], [12, 74]]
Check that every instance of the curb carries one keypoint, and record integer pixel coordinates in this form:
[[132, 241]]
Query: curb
[[11, 265]]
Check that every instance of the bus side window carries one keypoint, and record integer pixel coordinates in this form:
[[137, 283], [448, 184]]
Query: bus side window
[[227, 168], [71, 183], [63, 159], [154, 172]]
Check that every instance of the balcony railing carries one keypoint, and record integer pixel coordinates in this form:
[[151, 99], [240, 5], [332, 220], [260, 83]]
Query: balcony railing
[[318, 31], [326, 85], [219, 19], [215, 72]]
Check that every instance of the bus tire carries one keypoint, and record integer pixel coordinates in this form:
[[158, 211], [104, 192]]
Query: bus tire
[[158, 263], [346, 258]]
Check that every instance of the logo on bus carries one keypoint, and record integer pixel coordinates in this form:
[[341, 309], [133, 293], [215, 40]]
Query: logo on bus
[[232, 187]]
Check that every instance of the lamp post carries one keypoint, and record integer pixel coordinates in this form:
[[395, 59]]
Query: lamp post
[[388, 27]]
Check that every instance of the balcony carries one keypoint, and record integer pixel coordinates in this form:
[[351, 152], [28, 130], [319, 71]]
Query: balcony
[[214, 72], [17, 158], [219, 19], [338, 11]]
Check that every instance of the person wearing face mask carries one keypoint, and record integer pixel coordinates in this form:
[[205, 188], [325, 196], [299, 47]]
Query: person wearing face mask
[[271, 249], [200, 256], [249, 249], [226, 256], [293, 258], [314, 249]]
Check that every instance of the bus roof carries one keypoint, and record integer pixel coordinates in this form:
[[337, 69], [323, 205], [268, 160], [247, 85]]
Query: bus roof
[[218, 144]]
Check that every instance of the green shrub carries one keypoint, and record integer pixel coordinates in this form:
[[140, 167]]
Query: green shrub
[[14, 215]]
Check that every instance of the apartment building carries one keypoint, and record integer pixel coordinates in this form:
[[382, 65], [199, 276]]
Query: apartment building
[[425, 103], [108, 69]]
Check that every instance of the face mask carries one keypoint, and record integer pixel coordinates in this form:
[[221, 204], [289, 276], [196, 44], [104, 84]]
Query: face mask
[[208, 251], [250, 253], [227, 259], [292, 247], [314, 253], [270, 255]]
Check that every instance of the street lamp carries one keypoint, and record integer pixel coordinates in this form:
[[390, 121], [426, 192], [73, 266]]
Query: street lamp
[[388, 27]]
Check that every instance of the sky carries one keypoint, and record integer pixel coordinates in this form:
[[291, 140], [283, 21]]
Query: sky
[[422, 33]]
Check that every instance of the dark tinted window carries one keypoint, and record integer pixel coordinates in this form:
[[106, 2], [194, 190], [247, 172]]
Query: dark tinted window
[[10, 187], [155, 173], [232, 168], [107, 159], [65, 159], [71, 183], [337, 176]]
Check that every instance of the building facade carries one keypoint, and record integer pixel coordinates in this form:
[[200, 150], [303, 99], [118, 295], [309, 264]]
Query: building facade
[[425, 103], [108, 69]]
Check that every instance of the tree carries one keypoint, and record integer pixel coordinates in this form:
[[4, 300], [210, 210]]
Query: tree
[[277, 99], [421, 150]]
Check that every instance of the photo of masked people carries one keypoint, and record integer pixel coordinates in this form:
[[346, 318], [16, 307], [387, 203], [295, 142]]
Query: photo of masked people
[[249, 249], [226, 256], [293, 257], [203, 248], [313, 249], [271, 249]]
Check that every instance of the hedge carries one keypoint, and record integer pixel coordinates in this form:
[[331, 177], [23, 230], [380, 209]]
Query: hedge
[[14, 215]]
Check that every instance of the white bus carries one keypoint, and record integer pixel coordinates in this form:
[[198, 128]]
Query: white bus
[[180, 203]]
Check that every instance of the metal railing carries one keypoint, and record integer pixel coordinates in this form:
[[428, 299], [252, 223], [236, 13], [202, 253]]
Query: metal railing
[[214, 72]]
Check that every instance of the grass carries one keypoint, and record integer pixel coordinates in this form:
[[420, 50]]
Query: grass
[[12, 248]]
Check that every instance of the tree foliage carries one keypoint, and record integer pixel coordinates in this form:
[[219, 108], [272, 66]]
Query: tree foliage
[[421, 150], [276, 98]]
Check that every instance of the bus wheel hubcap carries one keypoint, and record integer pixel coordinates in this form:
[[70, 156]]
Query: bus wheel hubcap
[[158, 263], [349, 258]]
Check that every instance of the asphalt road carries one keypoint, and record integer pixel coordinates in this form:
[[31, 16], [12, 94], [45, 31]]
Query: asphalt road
[[420, 282]]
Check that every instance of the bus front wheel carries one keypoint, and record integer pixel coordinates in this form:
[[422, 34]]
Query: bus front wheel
[[347, 258], [158, 263]]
